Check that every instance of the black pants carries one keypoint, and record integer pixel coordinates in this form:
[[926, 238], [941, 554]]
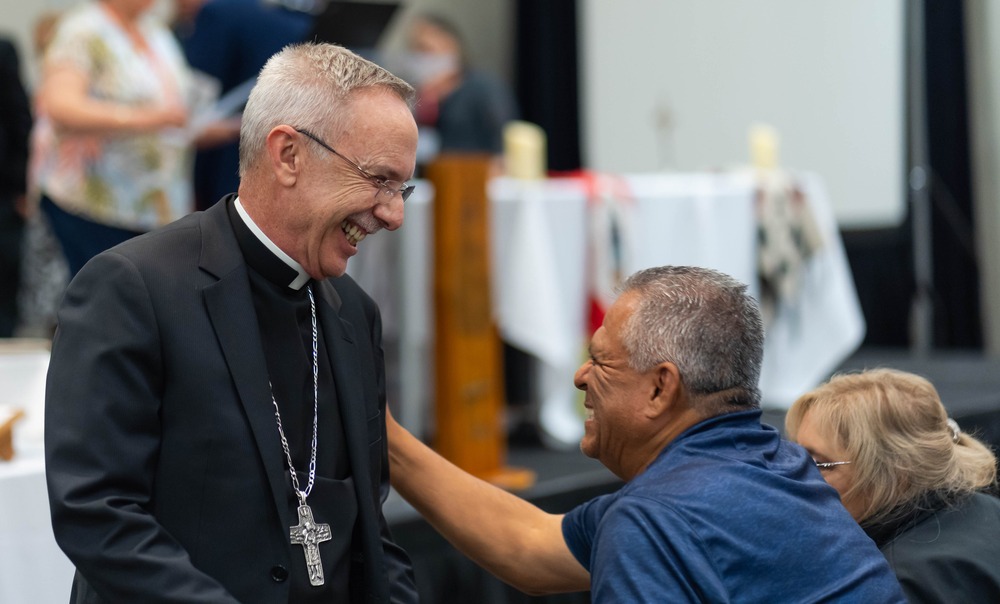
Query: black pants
[[81, 239]]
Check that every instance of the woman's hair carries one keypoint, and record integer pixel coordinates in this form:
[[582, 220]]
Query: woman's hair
[[896, 434]]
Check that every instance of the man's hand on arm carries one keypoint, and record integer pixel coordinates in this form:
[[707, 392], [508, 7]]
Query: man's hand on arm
[[508, 536]]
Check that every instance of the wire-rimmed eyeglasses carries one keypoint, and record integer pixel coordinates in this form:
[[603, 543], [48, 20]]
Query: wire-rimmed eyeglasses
[[829, 465], [387, 189]]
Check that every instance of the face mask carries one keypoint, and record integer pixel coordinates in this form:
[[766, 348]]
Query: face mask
[[423, 67]]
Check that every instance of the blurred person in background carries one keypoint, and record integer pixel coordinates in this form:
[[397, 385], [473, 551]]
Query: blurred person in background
[[112, 159], [459, 109], [43, 267], [230, 40], [916, 483], [15, 126]]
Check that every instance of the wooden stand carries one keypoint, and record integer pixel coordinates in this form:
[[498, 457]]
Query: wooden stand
[[468, 363], [7, 434]]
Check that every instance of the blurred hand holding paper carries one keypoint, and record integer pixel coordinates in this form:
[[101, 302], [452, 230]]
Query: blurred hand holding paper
[[210, 113]]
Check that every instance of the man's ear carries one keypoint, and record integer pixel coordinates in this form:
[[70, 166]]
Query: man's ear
[[285, 153], [665, 389]]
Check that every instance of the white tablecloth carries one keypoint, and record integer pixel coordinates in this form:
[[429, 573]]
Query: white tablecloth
[[32, 567], [539, 281]]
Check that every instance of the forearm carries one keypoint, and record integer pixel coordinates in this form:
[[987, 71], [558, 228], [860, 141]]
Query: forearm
[[64, 99], [508, 536], [90, 116]]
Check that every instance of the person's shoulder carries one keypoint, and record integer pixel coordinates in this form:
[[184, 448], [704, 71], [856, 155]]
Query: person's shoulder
[[977, 513], [347, 286], [984, 501], [10, 64], [481, 77], [163, 245], [968, 529], [476, 82], [85, 21], [7, 47], [81, 14], [352, 294], [950, 555]]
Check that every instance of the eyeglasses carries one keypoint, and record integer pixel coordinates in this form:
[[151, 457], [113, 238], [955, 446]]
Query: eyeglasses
[[387, 189], [829, 465]]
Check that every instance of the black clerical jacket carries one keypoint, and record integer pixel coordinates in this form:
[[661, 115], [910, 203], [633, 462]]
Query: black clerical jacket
[[166, 476]]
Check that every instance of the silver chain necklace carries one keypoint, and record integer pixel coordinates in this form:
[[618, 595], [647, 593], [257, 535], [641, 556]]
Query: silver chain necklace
[[307, 532]]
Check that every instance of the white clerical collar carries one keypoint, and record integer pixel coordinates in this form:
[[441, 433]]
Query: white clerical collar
[[303, 276]]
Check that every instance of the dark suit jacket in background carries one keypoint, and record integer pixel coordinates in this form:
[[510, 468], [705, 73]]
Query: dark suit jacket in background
[[15, 126], [166, 475], [15, 123], [231, 40]]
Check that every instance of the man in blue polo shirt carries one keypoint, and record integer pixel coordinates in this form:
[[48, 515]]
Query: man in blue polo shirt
[[716, 506]]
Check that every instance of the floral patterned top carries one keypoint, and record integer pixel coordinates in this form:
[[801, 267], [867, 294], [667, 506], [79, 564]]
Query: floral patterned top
[[136, 181]]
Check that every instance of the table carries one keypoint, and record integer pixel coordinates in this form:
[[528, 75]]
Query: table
[[32, 567], [539, 240]]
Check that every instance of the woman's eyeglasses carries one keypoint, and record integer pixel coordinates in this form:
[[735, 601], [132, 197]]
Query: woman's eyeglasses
[[829, 465]]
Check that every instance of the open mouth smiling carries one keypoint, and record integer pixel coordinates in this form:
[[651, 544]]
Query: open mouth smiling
[[354, 233]]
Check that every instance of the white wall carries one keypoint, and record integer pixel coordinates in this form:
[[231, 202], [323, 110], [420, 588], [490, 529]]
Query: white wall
[[17, 21], [828, 74]]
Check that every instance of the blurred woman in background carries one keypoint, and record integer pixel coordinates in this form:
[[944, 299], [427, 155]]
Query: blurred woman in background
[[914, 481], [110, 159]]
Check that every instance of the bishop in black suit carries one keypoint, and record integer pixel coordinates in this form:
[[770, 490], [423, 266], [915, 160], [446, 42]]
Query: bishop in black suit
[[211, 378]]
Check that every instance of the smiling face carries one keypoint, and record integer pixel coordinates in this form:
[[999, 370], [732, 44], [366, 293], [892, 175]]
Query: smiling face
[[823, 448], [615, 393], [336, 206]]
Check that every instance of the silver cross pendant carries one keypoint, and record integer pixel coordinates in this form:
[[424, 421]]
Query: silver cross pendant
[[309, 535]]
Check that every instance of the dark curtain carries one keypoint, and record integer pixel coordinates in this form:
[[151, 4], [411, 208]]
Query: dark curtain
[[546, 66], [957, 321], [882, 260]]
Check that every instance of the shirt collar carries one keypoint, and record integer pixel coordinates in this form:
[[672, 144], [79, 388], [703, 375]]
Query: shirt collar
[[301, 277]]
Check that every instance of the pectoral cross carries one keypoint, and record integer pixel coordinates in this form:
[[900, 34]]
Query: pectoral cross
[[309, 535]]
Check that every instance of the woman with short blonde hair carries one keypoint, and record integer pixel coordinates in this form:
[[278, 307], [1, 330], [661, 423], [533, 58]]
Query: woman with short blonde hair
[[914, 481]]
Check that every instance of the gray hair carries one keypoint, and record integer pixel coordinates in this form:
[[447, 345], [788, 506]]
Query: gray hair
[[306, 86], [702, 321]]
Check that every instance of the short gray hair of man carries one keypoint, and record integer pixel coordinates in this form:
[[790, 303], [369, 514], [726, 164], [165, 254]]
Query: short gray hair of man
[[306, 86], [702, 321]]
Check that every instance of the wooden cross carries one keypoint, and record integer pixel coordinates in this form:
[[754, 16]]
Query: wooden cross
[[309, 535]]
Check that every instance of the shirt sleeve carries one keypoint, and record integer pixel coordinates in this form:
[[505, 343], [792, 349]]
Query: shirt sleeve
[[77, 44], [644, 551], [580, 525]]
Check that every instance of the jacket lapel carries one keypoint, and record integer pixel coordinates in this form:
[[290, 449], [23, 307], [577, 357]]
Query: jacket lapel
[[345, 359], [231, 310]]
